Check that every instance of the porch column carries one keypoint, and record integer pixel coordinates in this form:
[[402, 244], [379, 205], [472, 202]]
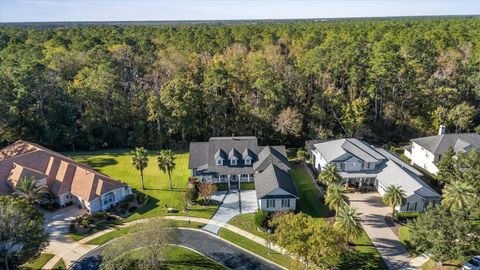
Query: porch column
[[239, 183], [228, 180], [248, 177]]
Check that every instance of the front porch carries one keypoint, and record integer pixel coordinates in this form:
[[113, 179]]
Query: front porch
[[360, 182]]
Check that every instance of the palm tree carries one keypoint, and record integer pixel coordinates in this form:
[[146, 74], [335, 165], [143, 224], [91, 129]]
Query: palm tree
[[140, 161], [394, 196], [28, 188], [329, 175], [458, 195], [336, 197], [166, 162], [348, 222]]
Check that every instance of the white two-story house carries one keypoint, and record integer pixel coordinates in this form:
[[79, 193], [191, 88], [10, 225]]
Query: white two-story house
[[360, 164], [232, 160], [425, 152]]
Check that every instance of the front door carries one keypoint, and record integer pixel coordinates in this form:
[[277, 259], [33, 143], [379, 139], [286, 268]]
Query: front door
[[233, 181]]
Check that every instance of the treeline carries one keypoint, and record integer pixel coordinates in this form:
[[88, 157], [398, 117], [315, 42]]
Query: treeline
[[163, 86]]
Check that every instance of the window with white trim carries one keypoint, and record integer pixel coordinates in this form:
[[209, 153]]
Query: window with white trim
[[285, 203], [248, 161], [233, 161], [219, 161], [271, 203]]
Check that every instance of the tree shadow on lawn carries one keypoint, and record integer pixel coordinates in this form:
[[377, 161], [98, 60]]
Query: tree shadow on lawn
[[187, 263], [98, 162]]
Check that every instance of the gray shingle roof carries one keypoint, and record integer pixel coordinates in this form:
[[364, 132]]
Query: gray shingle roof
[[198, 154], [271, 179], [343, 149], [440, 143], [272, 155]]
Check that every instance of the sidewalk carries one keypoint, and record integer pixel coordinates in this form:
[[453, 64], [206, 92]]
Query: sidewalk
[[72, 251]]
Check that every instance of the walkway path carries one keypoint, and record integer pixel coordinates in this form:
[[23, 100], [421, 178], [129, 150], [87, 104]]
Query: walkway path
[[73, 251], [372, 216]]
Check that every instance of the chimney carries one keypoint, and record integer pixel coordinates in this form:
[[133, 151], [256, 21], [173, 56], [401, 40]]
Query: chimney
[[441, 130]]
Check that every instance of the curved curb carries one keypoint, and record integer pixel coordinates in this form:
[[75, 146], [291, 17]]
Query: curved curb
[[197, 230]]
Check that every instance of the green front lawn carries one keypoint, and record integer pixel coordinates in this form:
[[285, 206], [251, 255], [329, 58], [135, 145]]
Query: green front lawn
[[246, 222], [180, 258], [404, 237], [59, 265], [364, 257], [309, 194], [102, 239], [118, 165], [37, 263], [283, 260], [450, 265], [247, 185]]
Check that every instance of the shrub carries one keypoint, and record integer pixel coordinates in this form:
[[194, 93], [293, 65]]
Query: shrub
[[141, 198], [85, 223], [191, 195], [404, 216], [260, 218], [302, 154], [129, 198], [123, 205], [132, 209], [99, 215]]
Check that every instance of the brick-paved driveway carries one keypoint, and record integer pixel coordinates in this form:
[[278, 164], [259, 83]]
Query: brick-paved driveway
[[372, 214]]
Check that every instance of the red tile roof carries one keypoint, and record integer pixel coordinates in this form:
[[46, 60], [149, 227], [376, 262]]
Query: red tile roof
[[63, 174]]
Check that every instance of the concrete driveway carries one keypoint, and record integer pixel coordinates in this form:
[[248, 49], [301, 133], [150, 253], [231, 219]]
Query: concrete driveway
[[57, 225], [372, 214], [248, 199], [232, 207]]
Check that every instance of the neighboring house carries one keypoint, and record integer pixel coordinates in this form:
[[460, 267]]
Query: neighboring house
[[425, 152], [71, 182], [360, 164], [232, 160]]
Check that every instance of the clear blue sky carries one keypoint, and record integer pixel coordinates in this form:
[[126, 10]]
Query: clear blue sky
[[135, 10]]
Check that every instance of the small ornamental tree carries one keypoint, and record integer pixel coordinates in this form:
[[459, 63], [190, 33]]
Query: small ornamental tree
[[260, 218], [207, 190]]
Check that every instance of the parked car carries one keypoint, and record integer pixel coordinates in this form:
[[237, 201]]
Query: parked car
[[472, 264]]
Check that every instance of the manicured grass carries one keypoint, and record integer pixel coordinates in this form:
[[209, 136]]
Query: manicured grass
[[122, 231], [247, 186], [118, 165], [59, 265], [309, 194], [246, 222], [180, 258], [364, 257], [260, 250], [404, 237], [37, 263]]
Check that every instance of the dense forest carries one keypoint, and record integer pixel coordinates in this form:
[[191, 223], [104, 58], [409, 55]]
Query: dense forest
[[89, 87]]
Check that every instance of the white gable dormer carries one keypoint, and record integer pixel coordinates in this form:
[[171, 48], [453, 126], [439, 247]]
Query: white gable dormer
[[248, 160], [233, 160], [219, 161]]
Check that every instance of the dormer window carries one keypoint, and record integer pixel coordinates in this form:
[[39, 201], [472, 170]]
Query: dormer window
[[219, 161], [248, 161], [233, 161]]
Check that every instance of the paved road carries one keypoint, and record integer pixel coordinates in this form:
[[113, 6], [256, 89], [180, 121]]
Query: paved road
[[372, 216], [203, 242]]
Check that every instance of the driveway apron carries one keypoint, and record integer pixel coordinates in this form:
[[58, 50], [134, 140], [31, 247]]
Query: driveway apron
[[372, 216]]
